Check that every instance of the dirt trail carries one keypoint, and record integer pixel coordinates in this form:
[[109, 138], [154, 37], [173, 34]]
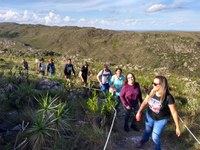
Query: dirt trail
[[128, 140]]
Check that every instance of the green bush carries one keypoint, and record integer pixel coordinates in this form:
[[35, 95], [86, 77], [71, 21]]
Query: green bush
[[108, 105], [92, 103]]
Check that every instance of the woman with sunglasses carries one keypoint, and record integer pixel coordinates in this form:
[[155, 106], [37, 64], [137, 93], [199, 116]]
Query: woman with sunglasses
[[161, 106], [130, 95]]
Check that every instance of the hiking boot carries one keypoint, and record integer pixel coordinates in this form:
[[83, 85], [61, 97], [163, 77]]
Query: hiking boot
[[140, 144], [126, 128], [134, 127]]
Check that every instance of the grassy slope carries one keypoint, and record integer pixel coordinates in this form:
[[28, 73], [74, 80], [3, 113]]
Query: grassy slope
[[147, 49]]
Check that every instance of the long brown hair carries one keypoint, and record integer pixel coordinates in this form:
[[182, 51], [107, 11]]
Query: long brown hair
[[164, 87], [126, 79]]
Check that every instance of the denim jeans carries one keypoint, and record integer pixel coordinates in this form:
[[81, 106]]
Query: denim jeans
[[154, 127], [105, 88]]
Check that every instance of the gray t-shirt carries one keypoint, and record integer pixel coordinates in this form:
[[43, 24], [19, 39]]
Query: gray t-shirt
[[105, 76]]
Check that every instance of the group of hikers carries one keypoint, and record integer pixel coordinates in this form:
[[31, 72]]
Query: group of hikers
[[161, 104], [159, 101], [51, 69]]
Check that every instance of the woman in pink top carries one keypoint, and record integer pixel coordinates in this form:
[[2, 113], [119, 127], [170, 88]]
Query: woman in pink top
[[130, 95]]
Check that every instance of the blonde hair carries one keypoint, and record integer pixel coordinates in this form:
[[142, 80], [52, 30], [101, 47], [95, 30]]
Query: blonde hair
[[164, 87]]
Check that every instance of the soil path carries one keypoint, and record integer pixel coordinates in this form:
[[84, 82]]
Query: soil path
[[128, 140]]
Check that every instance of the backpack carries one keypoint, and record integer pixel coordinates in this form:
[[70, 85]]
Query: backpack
[[109, 72]]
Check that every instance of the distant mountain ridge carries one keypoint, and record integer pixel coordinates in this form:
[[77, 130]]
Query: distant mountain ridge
[[176, 51]]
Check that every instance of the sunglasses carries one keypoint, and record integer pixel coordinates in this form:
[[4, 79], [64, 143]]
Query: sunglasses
[[155, 84]]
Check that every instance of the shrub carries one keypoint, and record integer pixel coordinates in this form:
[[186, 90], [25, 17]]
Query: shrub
[[108, 105], [92, 103]]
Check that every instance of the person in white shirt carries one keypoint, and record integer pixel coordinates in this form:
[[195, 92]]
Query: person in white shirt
[[103, 78], [42, 67]]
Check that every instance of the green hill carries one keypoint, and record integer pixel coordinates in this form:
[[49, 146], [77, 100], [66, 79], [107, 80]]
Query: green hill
[[176, 51]]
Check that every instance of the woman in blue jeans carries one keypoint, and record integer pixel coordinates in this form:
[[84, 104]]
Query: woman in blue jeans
[[161, 106], [103, 78]]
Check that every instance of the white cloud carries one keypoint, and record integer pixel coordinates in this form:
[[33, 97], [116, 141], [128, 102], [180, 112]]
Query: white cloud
[[103, 22], [25, 16], [13, 16], [9, 16], [98, 23], [36, 19], [156, 7], [52, 19], [131, 21], [82, 20], [67, 19], [159, 7]]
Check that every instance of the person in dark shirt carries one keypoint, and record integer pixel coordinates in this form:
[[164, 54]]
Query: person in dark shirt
[[69, 68], [51, 70], [84, 73], [161, 106], [130, 95], [25, 64]]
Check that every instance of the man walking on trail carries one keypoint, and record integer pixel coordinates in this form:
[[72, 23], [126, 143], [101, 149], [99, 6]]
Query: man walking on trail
[[83, 74], [69, 68], [103, 78], [25, 66]]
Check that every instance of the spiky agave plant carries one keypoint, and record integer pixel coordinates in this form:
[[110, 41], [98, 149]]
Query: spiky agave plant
[[51, 121], [61, 118], [41, 134], [51, 105], [47, 104]]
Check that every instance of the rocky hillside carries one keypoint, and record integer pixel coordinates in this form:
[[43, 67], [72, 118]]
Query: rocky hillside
[[174, 51]]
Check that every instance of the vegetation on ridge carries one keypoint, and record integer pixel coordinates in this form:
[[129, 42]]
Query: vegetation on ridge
[[177, 51]]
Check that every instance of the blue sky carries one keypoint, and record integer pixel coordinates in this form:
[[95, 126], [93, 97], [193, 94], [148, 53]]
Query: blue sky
[[105, 14]]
